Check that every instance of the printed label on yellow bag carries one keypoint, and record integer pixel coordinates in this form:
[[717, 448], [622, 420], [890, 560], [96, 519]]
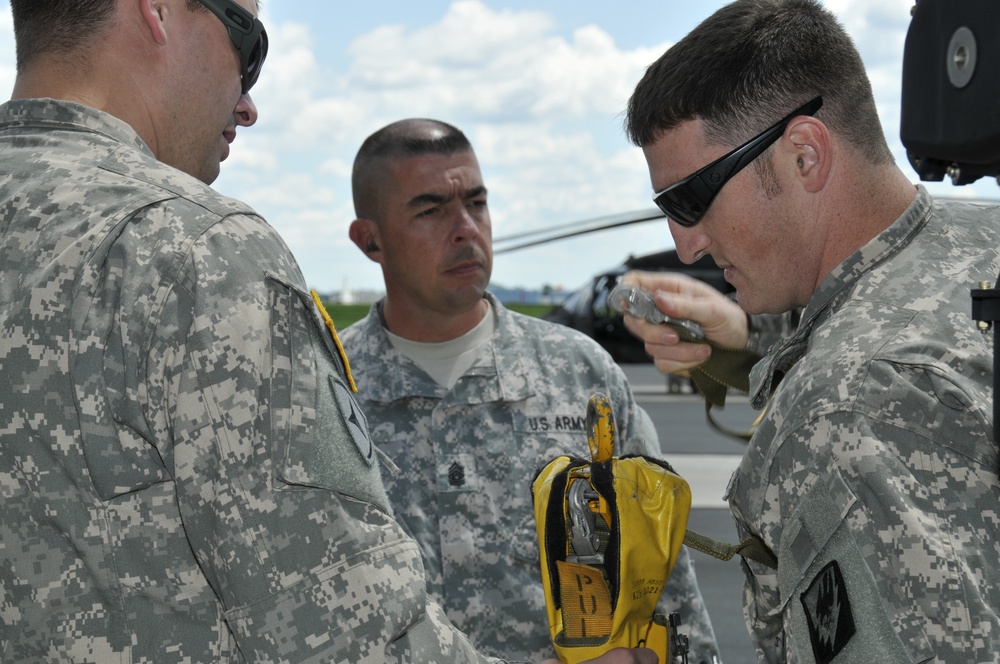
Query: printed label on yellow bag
[[586, 602]]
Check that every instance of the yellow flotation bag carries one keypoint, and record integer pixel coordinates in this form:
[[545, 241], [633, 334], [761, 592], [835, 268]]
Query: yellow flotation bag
[[609, 531]]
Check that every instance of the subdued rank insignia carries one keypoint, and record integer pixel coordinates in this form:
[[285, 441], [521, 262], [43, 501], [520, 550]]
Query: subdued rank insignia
[[456, 474], [828, 613]]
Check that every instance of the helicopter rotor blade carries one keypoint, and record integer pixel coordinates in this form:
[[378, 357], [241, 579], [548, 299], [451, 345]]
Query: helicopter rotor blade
[[582, 228]]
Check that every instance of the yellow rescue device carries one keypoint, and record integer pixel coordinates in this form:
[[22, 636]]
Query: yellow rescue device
[[609, 531]]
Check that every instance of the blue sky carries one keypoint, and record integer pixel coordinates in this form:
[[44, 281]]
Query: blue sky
[[537, 86]]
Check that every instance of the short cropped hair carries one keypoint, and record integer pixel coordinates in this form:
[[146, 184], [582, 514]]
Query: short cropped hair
[[750, 64], [400, 140], [61, 26]]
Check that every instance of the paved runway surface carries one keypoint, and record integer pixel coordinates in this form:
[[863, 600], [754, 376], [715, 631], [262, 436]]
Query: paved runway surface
[[706, 459]]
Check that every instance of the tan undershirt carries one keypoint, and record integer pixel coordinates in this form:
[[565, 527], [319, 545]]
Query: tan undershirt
[[447, 361]]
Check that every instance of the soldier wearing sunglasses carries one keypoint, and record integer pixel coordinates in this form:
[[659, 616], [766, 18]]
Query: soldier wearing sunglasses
[[185, 475], [873, 475]]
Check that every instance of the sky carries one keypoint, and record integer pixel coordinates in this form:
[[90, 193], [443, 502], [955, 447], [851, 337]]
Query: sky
[[538, 87]]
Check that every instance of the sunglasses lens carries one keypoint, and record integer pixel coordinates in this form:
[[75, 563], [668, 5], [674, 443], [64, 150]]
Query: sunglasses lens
[[681, 204], [255, 60], [258, 53]]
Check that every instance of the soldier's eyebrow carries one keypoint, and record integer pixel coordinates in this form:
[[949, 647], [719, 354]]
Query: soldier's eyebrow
[[474, 192], [421, 200]]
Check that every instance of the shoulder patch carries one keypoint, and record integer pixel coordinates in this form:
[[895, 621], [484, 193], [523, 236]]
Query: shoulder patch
[[357, 425], [828, 613]]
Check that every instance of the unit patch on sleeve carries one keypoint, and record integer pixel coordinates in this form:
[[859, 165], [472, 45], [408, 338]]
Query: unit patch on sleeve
[[357, 425], [828, 613]]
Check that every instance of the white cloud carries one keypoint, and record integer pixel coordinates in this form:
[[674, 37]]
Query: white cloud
[[481, 62], [533, 103], [542, 110]]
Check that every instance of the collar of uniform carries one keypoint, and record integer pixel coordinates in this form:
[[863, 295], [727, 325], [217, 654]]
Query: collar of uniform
[[515, 368], [498, 373], [382, 373], [56, 112], [833, 291]]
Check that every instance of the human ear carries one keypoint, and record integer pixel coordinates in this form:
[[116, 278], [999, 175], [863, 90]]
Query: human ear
[[364, 234], [154, 14], [811, 147]]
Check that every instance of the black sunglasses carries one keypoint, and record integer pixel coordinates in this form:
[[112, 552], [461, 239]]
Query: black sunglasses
[[248, 36], [687, 200]]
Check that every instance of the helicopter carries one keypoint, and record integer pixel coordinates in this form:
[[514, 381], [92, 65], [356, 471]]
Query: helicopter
[[587, 308]]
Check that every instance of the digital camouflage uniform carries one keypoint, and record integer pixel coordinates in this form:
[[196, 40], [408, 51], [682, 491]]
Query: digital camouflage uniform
[[184, 475], [873, 476], [764, 330], [467, 457]]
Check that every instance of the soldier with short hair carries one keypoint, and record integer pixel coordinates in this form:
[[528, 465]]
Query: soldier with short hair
[[468, 398], [873, 475]]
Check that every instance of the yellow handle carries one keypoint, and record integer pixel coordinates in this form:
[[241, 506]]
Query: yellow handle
[[600, 428]]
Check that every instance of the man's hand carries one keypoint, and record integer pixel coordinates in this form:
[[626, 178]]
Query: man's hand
[[620, 656], [681, 296]]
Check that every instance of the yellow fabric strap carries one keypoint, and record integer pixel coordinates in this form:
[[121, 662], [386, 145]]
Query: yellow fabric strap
[[586, 602]]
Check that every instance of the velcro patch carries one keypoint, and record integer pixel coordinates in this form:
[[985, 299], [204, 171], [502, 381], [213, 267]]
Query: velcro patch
[[357, 425]]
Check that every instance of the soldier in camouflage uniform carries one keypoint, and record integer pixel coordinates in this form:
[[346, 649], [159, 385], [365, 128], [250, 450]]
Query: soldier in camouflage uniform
[[470, 399], [873, 476], [184, 472]]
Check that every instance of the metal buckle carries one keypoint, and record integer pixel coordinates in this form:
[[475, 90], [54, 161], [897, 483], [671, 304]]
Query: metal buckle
[[637, 302], [586, 543]]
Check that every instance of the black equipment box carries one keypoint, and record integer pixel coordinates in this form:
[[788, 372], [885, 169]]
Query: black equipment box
[[950, 123]]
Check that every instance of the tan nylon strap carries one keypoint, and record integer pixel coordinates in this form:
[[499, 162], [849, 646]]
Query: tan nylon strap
[[728, 368], [752, 548], [725, 368], [723, 429]]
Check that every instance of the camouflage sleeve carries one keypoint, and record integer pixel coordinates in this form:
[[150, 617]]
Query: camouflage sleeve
[[874, 552], [277, 482]]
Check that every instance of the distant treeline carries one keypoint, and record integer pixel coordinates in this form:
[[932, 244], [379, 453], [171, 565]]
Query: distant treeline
[[345, 314]]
